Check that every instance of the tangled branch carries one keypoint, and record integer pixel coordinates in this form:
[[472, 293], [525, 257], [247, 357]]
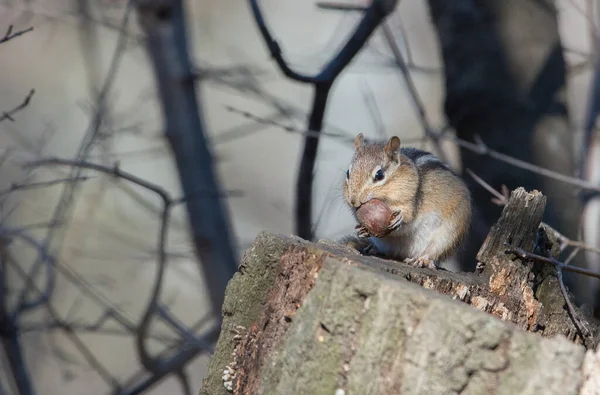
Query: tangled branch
[[373, 16], [153, 306]]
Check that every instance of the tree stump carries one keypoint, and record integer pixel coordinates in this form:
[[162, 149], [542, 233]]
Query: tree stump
[[319, 318]]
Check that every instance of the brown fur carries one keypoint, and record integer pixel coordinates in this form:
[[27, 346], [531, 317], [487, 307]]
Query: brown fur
[[399, 192], [448, 194], [424, 191]]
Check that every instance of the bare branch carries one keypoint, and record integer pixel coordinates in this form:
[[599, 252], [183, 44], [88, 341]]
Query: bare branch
[[410, 85], [186, 388], [9, 114], [373, 16], [502, 198], [115, 171], [181, 328], [81, 347], [373, 110], [45, 260], [40, 184], [167, 203], [66, 198], [90, 328], [560, 267], [9, 334], [150, 363], [264, 121], [327, 5], [481, 149], [585, 332], [558, 264], [10, 35]]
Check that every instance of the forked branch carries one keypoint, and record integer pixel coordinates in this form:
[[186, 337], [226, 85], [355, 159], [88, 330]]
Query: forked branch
[[373, 16]]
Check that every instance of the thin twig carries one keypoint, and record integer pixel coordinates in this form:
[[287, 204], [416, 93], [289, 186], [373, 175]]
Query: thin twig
[[327, 5], [337, 136], [10, 35], [40, 184], [75, 339], [410, 85], [45, 258], [358, 8], [502, 198], [572, 255], [266, 121], [371, 105], [481, 148], [9, 114], [115, 171], [560, 267], [584, 331], [558, 264]]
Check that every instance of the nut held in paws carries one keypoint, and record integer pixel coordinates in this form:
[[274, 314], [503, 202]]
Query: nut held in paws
[[375, 215]]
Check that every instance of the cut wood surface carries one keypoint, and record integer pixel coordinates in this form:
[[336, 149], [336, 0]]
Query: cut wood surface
[[316, 318]]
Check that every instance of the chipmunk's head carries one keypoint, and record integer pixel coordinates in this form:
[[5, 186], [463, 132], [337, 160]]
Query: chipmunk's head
[[380, 171]]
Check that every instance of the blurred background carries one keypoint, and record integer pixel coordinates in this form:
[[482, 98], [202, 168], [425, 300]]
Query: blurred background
[[80, 252]]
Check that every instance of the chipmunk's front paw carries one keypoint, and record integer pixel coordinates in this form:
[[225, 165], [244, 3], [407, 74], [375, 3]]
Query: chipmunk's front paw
[[362, 232], [396, 222], [422, 261]]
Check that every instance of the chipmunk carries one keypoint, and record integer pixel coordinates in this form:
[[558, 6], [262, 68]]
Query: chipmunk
[[431, 205]]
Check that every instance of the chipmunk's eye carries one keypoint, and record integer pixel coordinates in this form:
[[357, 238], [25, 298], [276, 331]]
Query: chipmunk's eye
[[379, 175], [348, 174]]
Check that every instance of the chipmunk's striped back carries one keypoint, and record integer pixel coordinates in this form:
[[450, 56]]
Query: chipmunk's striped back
[[424, 159]]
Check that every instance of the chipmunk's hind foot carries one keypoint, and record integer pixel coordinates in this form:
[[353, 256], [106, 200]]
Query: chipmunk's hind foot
[[422, 261]]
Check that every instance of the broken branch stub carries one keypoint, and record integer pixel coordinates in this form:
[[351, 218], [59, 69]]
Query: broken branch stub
[[517, 226]]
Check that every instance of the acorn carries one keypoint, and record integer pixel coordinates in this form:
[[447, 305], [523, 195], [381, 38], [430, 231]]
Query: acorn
[[376, 216]]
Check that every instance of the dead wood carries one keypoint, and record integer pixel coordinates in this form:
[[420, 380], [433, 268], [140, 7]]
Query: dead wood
[[306, 318]]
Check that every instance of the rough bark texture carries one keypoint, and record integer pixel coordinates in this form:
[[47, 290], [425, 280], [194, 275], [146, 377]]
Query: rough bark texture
[[367, 335], [306, 318]]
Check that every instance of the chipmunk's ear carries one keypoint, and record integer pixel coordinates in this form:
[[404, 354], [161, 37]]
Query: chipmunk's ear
[[392, 149], [359, 141]]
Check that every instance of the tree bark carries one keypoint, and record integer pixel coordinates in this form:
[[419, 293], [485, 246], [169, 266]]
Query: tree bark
[[305, 318]]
